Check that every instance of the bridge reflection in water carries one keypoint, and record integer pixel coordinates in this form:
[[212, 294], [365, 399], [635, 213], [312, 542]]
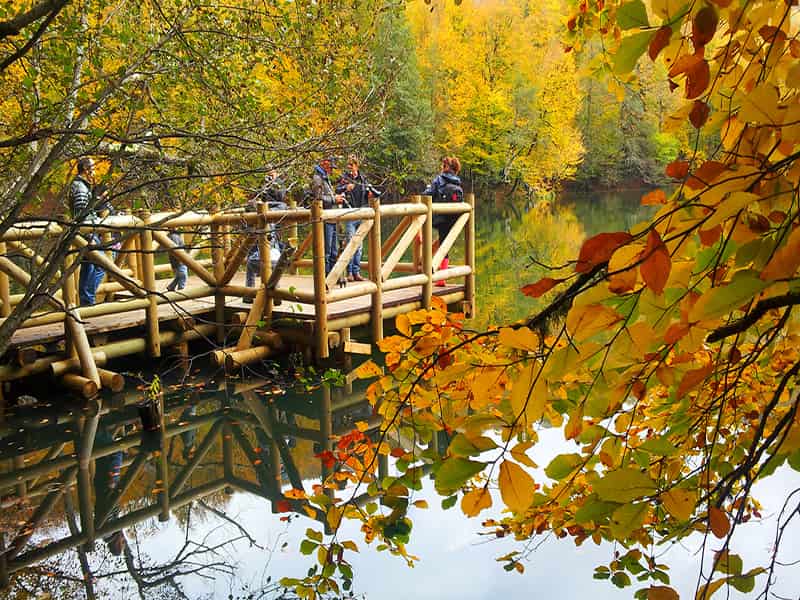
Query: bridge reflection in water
[[74, 480]]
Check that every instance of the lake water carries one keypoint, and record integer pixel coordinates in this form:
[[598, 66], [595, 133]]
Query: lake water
[[240, 443]]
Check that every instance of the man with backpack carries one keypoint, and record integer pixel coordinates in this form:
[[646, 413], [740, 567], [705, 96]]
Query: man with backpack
[[446, 187]]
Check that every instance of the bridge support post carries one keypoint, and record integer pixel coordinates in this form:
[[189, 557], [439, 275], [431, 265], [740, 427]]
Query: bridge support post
[[320, 291], [427, 253], [264, 247], [149, 281], [294, 238], [218, 258], [469, 255], [416, 247], [5, 288], [375, 264]]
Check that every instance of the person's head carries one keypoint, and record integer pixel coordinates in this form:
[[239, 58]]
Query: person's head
[[327, 164], [446, 164], [352, 164], [85, 166], [455, 165]]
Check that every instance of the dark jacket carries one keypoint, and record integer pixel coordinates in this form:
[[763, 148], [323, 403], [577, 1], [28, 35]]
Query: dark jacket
[[437, 185], [80, 200], [321, 188], [358, 197]]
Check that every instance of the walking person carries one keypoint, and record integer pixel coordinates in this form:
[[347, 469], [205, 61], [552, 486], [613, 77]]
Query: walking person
[[179, 270], [83, 210], [321, 189], [357, 192], [446, 187]]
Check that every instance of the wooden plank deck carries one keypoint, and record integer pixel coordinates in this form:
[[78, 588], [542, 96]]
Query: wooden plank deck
[[203, 308]]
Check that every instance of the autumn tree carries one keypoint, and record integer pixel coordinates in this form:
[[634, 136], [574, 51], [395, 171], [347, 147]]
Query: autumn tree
[[667, 356]]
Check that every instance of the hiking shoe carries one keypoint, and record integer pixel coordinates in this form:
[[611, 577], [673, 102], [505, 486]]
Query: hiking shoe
[[357, 277]]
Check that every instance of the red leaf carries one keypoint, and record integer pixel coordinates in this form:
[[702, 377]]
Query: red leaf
[[655, 197], [660, 41], [697, 80], [777, 217], [718, 522], [709, 237], [678, 169], [657, 265], [534, 290], [699, 114], [705, 175], [327, 458], [283, 506], [599, 249], [398, 452], [704, 26], [772, 34], [684, 64], [758, 223]]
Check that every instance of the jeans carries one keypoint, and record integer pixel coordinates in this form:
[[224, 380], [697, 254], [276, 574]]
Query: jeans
[[331, 247], [354, 266], [90, 277], [181, 275]]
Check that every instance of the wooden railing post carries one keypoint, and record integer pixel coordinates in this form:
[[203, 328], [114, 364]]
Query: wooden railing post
[[320, 292], [416, 247], [469, 256], [264, 251], [294, 239], [218, 259], [5, 288], [375, 264], [149, 282], [427, 253]]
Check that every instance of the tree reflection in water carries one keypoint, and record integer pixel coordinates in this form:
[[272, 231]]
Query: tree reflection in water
[[84, 488]]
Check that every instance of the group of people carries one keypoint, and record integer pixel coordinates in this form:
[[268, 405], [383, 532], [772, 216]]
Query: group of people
[[351, 190]]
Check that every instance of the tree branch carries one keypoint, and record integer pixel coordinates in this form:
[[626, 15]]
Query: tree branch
[[20, 22], [759, 310]]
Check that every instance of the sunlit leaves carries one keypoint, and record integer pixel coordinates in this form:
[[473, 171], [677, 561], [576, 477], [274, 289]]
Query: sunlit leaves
[[598, 249], [455, 472], [630, 50], [624, 485], [680, 503], [516, 486], [657, 263], [476, 500], [632, 14]]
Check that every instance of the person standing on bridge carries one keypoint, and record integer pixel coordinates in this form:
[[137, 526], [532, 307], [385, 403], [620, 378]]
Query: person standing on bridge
[[321, 189], [83, 207], [357, 193], [446, 187]]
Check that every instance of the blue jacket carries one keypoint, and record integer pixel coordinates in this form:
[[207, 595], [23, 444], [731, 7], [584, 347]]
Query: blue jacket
[[437, 185]]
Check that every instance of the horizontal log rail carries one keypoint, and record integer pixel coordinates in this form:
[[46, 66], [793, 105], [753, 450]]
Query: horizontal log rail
[[132, 249]]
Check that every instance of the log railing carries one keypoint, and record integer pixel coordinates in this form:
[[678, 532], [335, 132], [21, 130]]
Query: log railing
[[215, 248]]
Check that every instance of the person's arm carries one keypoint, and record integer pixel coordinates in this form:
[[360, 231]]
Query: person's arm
[[434, 186]]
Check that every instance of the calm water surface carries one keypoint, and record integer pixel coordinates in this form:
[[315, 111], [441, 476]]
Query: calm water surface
[[237, 445]]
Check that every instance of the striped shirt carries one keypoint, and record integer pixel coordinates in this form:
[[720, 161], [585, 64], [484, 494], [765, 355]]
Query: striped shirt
[[80, 198]]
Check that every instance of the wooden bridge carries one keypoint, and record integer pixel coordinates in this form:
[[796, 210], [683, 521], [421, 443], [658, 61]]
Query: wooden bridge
[[296, 304]]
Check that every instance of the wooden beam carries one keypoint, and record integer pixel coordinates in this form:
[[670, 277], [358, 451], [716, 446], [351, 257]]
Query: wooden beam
[[183, 477], [354, 347], [469, 258], [320, 291], [99, 258], [375, 272], [347, 254], [184, 257], [452, 236], [218, 256], [405, 241], [427, 254]]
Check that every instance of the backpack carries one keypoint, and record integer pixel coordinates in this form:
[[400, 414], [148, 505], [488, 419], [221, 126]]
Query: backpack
[[451, 192]]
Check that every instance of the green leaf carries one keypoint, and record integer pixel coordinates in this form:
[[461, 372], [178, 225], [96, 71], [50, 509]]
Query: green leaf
[[455, 472], [562, 465], [594, 510], [730, 564], [449, 502], [461, 445], [794, 460], [624, 485], [628, 518], [747, 582], [659, 446], [620, 579], [632, 14], [630, 50], [314, 535], [307, 547], [720, 301]]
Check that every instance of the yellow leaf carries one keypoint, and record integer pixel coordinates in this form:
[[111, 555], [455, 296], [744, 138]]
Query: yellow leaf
[[403, 325], [475, 501], [786, 259], [729, 207], [762, 106], [367, 370], [627, 519], [662, 592], [521, 339], [516, 486], [519, 452], [705, 592], [348, 545], [529, 394], [679, 503], [585, 321], [420, 504]]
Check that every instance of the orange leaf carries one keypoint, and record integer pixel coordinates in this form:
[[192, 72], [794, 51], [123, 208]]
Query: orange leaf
[[599, 249], [654, 198], [704, 26], [661, 592], [283, 506], [719, 523], [534, 290], [659, 42], [697, 80], [705, 175], [657, 265], [684, 64], [692, 379], [785, 261], [699, 114], [475, 501], [678, 169], [675, 332]]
